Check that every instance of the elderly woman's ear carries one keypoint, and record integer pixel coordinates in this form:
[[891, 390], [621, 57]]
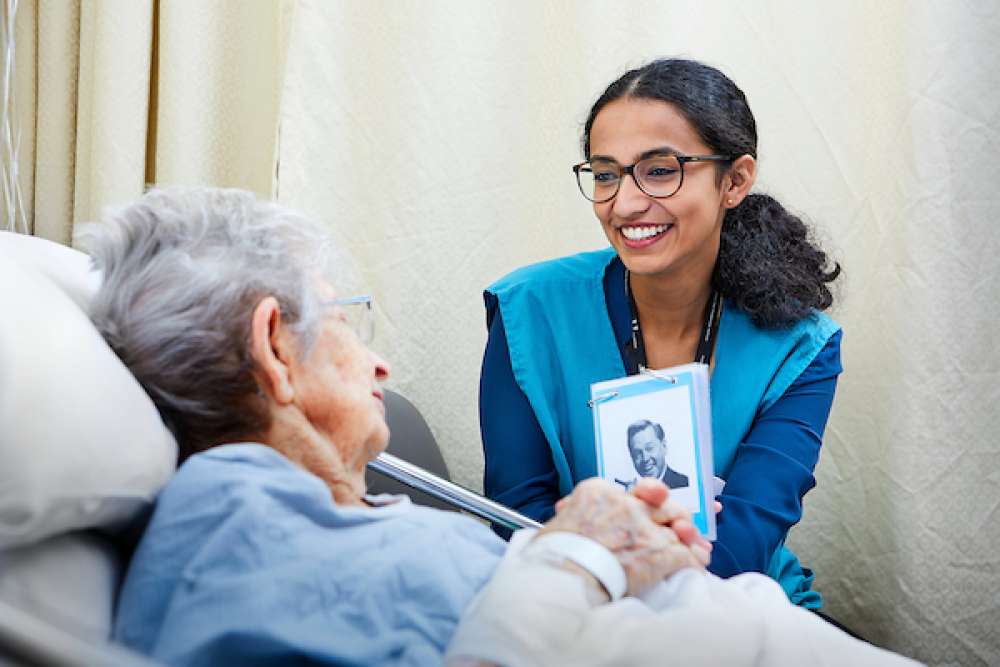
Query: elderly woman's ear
[[272, 347]]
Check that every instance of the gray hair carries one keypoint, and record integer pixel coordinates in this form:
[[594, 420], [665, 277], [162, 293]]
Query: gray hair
[[183, 270]]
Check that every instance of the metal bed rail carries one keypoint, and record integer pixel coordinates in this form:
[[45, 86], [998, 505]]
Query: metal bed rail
[[454, 495]]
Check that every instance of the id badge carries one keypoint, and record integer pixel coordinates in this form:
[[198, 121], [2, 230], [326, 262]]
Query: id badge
[[659, 424]]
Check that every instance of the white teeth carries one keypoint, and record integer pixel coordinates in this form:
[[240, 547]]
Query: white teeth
[[639, 233]]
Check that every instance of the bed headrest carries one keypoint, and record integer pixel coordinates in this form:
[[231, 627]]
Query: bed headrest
[[81, 444]]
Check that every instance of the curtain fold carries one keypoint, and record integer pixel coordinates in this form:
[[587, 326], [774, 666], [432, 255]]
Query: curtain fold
[[116, 95], [112, 107], [55, 66], [218, 92]]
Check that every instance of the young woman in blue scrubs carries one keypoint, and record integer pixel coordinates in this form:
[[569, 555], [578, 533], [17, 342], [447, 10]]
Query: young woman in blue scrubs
[[699, 269]]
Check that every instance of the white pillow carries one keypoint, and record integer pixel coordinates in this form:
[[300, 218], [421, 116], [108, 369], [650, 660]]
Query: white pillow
[[67, 580], [68, 269], [81, 445]]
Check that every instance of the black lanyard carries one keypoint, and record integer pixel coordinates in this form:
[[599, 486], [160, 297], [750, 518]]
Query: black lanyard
[[636, 351]]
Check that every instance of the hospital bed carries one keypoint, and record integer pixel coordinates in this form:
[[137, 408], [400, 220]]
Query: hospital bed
[[83, 453]]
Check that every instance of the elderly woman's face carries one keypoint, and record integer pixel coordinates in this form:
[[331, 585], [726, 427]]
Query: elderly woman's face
[[339, 390]]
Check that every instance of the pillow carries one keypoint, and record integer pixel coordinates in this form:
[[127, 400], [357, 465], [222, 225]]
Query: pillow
[[81, 444], [68, 269], [67, 580]]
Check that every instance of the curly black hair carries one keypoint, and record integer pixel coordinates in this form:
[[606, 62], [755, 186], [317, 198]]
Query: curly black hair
[[768, 265]]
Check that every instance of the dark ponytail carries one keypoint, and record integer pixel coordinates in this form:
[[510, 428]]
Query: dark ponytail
[[768, 265]]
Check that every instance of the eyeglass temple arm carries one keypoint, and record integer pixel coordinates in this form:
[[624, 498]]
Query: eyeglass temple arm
[[458, 497], [705, 158]]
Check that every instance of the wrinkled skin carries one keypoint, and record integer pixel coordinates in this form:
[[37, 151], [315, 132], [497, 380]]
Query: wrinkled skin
[[650, 536]]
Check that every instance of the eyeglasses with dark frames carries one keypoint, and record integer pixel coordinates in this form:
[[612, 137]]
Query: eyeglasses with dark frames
[[358, 314], [659, 175]]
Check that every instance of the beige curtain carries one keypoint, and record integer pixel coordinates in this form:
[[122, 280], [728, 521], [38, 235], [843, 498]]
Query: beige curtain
[[117, 94], [436, 139]]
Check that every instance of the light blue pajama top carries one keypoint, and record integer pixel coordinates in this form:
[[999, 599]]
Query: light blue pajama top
[[247, 560]]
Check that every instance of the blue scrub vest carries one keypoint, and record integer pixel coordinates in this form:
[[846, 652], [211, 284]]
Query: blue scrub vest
[[561, 341]]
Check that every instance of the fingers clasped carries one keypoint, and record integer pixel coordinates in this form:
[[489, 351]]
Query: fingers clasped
[[651, 536]]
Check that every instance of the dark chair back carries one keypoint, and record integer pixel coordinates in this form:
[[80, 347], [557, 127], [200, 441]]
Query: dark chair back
[[411, 440]]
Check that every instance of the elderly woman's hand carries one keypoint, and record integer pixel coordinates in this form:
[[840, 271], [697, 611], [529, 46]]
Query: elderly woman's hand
[[641, 533], [666, 512]]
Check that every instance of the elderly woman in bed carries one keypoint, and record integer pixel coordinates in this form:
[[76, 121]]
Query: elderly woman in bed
[[265, 546]]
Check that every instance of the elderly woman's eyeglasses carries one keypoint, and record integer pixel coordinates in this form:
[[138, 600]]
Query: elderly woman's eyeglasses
[[356, 312], [658, 175]]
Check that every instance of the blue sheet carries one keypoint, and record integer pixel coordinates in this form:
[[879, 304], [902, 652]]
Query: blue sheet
[[247, 560]]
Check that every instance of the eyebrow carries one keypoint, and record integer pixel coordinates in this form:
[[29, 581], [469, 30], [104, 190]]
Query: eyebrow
[[652, 152]]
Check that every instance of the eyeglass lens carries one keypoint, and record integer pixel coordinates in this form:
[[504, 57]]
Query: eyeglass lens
[[657, 176], [362, 320], [359, 317]]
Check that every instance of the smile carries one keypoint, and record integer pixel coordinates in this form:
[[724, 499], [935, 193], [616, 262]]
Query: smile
[[644, 232]]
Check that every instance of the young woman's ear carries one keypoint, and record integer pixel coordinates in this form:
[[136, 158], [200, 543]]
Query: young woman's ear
[[739, 180], [271, 350]]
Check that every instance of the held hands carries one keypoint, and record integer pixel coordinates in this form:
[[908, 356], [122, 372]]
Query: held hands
[[651, 536], [667, 513]]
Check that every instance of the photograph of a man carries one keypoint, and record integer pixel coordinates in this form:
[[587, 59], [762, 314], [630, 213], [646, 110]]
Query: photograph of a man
[[647, 445]]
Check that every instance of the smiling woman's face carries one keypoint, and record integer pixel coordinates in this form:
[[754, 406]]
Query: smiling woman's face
[[685, 227]]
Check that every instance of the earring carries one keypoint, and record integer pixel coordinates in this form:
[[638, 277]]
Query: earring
[[729, 202]]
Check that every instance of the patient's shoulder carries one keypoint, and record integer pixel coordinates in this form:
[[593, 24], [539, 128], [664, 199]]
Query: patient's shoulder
[[239, 484], [247, 465], [239, 460]]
